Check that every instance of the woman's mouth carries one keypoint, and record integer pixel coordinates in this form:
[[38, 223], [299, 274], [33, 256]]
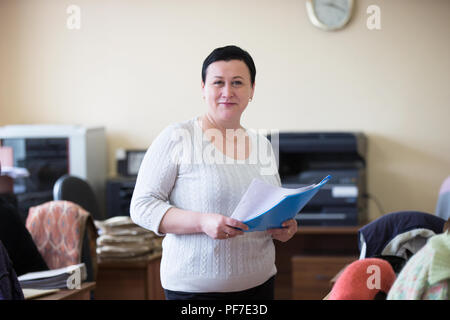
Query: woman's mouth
[[227, 104]]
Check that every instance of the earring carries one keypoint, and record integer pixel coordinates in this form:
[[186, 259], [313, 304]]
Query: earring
[[250, 100]]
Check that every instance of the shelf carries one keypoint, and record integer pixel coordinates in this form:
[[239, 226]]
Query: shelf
[[328, 229]]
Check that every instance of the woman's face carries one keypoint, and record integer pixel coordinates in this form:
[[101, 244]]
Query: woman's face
[[227, 89]]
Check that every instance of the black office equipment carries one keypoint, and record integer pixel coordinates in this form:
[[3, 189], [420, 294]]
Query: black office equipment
[[51, 151], [305, 158], [46, 160], [128, 165], [119, 191]]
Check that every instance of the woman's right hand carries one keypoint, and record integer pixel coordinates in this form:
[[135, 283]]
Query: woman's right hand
[[218, 226]]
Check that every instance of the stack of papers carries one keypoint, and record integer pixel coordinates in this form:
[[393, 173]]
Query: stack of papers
[[121, 239], [54, 279], [15, 172], [264, 206]]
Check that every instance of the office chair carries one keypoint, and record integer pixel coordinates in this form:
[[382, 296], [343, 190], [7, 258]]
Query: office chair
[[443, 203], [77, 190], [64, 234]]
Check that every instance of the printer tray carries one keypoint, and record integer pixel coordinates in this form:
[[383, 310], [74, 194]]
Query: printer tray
[[338, 216]]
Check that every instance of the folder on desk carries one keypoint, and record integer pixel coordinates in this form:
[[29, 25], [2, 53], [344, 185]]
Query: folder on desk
[[265, 206]]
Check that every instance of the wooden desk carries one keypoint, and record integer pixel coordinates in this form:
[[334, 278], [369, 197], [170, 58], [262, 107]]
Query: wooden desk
[[311, 258], [125, 280], [311, 275], [84, 293]]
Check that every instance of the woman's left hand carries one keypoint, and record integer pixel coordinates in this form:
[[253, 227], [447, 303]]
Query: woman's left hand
[[284, 234]]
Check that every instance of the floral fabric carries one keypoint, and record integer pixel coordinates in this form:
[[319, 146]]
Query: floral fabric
[[57, 228]]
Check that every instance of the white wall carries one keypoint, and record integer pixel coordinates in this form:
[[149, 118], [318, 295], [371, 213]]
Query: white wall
[[134, 67]]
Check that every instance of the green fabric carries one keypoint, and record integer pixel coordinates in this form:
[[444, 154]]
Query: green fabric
[[440, 263], [426, 275]]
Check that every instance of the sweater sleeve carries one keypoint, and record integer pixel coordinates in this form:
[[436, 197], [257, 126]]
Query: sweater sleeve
[[155, 181]]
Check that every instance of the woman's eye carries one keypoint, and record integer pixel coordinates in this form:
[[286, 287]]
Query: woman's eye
[[218, 82]]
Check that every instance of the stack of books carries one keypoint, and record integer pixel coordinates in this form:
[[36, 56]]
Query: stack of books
[[121, 239], [64, 278]]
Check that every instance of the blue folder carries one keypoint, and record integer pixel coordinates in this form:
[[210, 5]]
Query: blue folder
[[286, 209]]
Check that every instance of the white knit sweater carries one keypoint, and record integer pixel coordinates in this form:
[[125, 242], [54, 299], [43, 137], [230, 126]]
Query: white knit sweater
[[183, 169]]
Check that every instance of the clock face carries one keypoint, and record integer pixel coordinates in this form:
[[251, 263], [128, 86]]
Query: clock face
[[329, 14]]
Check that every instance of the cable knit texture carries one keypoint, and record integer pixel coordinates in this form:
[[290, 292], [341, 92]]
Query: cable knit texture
[[183, 169]]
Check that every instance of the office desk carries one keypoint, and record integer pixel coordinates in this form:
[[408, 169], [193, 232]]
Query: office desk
[[308, 261], [124, 280], [84, 293]]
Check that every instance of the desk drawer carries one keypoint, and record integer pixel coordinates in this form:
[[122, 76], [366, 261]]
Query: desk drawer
[[311, 275]]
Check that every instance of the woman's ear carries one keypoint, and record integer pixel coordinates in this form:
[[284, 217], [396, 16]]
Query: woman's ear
[[203, 89], [253, 91]]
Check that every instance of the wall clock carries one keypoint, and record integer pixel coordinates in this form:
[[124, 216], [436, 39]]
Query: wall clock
[[329, 15]]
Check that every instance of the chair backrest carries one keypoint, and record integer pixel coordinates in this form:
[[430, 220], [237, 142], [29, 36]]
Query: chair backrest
[[79, 191], [62, 230], [396, 233], [445, 187], [443, 203]]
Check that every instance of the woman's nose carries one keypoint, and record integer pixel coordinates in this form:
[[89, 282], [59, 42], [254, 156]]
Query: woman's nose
[[227, 91]]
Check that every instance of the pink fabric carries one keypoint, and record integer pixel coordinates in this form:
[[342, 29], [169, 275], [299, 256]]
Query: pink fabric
[[363, 279], [57, 228]]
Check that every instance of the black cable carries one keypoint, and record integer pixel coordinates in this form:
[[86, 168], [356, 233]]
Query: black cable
[[377, 202]]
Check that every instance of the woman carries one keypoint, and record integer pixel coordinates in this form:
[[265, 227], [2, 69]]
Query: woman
[[188, 189]]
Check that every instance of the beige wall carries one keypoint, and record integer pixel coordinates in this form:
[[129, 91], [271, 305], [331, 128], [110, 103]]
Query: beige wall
[[134, 67]]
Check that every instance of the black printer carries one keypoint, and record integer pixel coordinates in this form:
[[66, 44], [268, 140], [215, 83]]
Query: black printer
[[305, 158]]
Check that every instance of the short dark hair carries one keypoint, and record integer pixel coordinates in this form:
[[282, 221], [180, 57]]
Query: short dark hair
[[228, 53]]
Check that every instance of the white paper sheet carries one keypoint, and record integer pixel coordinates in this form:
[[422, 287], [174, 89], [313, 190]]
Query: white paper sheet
[[260, 197], [35, 293], [15, 172]]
